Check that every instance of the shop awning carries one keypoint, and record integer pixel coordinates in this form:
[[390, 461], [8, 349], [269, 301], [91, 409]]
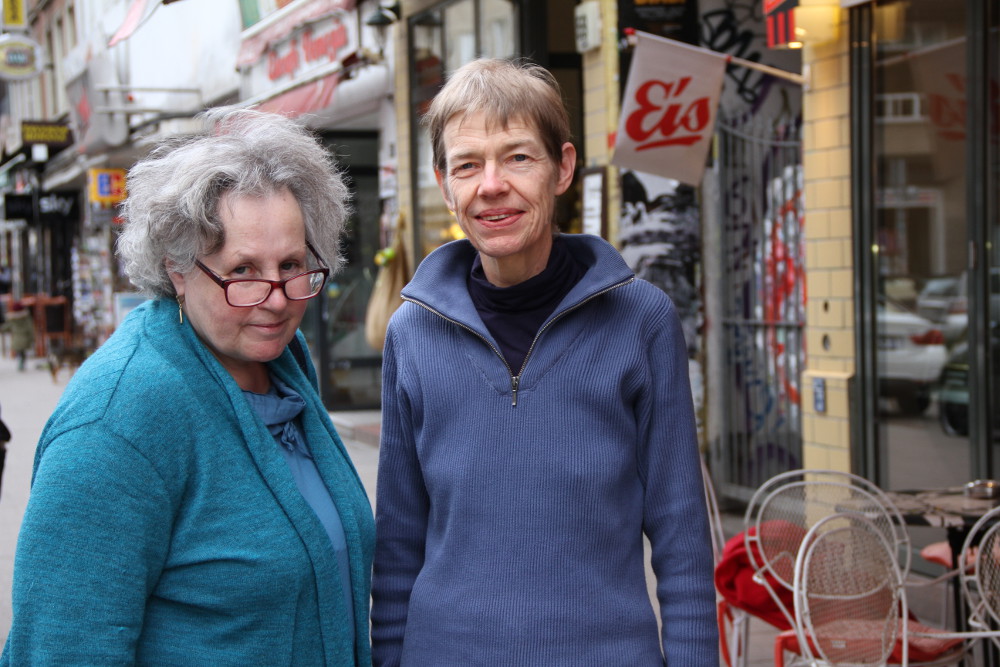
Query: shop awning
[[333, 99], [305, 98]]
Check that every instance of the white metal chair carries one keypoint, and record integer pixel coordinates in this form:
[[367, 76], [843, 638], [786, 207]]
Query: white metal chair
[[781, 513], [981, 582], [850, 598], [785, 507]]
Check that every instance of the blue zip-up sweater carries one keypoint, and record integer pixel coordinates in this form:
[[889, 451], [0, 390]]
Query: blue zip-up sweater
[[511, 503], [164, 526]]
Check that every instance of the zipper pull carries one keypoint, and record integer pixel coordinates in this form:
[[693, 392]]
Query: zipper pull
[[513, 385]]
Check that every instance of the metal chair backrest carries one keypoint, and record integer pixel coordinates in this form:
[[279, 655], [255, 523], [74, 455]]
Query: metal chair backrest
[[981, 583], [785, 507], [849, 600]]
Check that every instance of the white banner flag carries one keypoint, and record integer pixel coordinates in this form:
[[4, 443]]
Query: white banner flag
[[669, 108]]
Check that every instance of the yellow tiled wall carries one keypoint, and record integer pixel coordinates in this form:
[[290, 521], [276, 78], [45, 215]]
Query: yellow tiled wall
[[829, 262], [601, 106]]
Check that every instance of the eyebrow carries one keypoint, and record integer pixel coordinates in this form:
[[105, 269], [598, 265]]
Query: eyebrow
[[240, 257], [511, 146]]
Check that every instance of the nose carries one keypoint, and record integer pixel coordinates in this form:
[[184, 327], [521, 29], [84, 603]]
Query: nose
[[276, 300], [493, 182]]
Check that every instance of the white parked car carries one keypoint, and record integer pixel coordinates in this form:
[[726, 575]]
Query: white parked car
[[943, 301], [911, 355]]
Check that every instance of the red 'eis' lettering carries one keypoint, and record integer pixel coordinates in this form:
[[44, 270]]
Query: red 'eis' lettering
[[655, 116]]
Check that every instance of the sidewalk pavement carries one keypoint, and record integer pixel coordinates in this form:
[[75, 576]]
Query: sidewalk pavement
[[28, 398]]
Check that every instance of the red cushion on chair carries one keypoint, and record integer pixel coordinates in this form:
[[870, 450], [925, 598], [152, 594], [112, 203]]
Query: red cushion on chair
[[921, 649], [734, 581]]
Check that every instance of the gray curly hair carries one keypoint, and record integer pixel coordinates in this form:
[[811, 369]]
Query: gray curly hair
[[171, 213]]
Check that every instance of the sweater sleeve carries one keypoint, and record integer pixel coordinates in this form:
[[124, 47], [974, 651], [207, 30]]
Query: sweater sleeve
[[93, 541], [675, 516], [402, 507]]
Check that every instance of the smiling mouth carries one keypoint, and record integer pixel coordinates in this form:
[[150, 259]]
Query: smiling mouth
[[499, 217]]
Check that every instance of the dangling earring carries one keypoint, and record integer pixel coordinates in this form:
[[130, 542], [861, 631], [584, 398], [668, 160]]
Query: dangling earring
[[180, 308]]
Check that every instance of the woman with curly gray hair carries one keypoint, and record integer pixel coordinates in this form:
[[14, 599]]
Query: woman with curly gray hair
[[192, 502]]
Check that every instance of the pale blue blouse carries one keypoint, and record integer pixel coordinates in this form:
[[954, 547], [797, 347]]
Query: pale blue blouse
[[279, 409]]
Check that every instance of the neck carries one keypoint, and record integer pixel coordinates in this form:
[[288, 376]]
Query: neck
[[251, 376], [515, 269]]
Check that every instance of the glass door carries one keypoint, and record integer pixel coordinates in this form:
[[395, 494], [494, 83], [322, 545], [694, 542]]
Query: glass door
[[987, 159], [924, 286]]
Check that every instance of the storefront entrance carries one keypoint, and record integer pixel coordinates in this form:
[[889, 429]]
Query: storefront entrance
[[928, 262]]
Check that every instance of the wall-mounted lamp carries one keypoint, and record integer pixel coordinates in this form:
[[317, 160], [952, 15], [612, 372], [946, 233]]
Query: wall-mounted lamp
[[381, 19], [792, 23], [816, 22]]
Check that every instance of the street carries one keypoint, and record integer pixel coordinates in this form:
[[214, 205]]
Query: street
[[26, 400]]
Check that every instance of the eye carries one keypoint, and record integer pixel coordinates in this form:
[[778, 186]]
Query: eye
[[520, 157], [241, 271], [290, 266]]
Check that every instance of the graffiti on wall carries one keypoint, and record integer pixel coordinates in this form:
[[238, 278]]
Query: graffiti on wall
[[781, 298], [660, 230], [765, 310], [661, 241]]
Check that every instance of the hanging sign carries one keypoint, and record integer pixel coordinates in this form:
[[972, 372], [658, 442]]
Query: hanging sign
[[106, 187], [55, 135], [14, 17], [20, 58], [669, 108]]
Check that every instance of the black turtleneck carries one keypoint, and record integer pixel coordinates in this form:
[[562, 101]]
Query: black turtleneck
[[514, 314]]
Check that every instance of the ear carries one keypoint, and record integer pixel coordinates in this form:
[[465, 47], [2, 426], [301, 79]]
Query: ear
[[445, 192], [567, 165], [177, 279]]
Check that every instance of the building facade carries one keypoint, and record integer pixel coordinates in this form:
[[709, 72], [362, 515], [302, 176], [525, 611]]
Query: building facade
[[836, 267], [901, 172], [110, 83], [845, 302]]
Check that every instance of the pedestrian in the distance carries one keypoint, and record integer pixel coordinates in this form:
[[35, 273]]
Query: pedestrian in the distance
[[21, 327], [192, 503], [537, 421], [4, 439]]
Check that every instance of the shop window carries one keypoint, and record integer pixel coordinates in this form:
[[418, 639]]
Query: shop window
[[443, 39]]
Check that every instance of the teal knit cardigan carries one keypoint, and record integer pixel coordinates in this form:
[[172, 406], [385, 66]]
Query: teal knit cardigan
[[164, 527]]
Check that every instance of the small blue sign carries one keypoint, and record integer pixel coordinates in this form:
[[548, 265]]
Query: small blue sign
[[819, 394]]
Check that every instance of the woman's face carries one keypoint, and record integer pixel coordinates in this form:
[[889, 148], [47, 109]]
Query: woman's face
[[265, 238]]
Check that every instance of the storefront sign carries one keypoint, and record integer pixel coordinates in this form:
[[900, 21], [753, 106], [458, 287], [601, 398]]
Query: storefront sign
[[676, 19], [669, 107], [20, 58], [106, 187], [14, 17], [780, 21], [18, 207], [54, 135], [56, 208], [318, 43]]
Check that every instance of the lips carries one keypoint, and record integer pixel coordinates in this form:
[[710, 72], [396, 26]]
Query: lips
[[270, 327], [495, 217]]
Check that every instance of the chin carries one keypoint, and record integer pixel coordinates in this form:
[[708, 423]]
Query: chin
[[267, 352]]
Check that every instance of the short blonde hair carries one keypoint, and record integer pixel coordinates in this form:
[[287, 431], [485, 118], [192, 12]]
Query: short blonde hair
[[503, 90]]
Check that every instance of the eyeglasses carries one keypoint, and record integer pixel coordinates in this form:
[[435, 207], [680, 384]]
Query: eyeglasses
[[247, 292]]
